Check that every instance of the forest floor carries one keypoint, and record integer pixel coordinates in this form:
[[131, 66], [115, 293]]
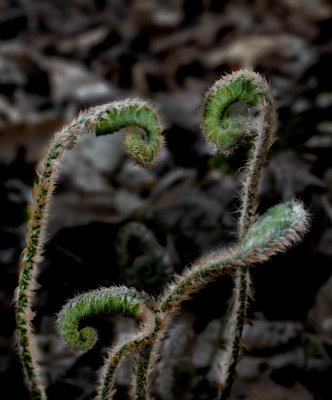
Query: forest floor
[[58, 57]]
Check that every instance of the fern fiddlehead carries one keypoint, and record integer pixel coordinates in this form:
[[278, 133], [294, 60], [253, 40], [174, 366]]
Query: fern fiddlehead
[[239, 105], [119, 300], [139, 119]]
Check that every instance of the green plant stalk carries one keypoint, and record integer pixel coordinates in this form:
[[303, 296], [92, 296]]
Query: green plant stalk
[[240, 106], [101, 120], [142, 370]]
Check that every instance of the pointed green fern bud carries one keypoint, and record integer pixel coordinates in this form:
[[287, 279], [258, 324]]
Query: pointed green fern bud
[[237, 106], [277, 228]]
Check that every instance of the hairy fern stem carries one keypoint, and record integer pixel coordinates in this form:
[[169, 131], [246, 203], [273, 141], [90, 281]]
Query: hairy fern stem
[[240, 106], [100, 120]]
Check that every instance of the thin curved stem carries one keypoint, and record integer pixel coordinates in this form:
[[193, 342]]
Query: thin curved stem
[[141, 392], [264, 127], [99, 120], [142, 342], [240, 105]]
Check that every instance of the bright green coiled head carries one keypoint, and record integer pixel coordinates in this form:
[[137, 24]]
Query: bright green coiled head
[[143, 128], [232, 107], [123, 301]]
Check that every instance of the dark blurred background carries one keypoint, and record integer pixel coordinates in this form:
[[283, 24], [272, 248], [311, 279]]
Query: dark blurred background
[[57, 57]]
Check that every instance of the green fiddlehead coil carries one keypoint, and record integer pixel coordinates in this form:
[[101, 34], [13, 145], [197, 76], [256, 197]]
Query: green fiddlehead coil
[[142, 141], [119, 300], [240, 106]]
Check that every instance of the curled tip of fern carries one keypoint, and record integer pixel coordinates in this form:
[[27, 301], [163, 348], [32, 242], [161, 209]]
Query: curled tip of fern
[[143, 127], [119, 300], [231, 108], [142, 149], [87, 339], [278, 228]]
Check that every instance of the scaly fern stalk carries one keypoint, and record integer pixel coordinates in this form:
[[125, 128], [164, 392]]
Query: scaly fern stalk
[[140, 119], [240, 106], [141, 371]]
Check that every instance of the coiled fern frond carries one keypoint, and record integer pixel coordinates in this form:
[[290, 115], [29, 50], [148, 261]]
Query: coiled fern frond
[[137, 117]]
